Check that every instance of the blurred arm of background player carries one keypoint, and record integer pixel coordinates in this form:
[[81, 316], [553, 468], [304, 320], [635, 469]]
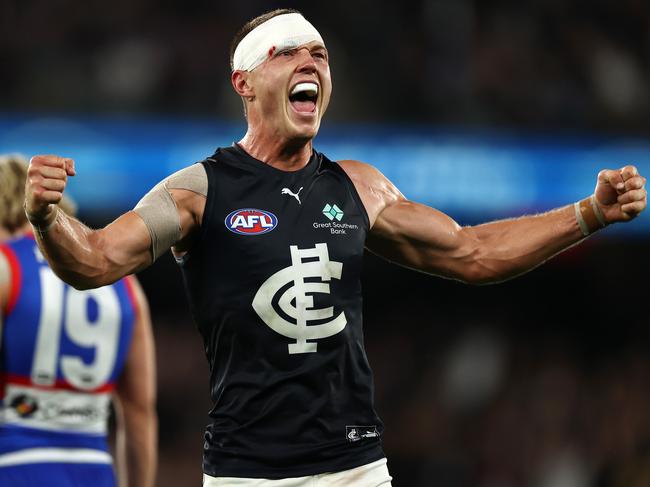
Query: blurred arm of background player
[[135, 403], [426, 239]]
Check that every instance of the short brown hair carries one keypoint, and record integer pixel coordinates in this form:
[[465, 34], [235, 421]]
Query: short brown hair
[[13, 173], [251, 24]]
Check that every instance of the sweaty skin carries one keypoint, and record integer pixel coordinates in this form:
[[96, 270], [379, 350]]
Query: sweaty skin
[[426, 239]]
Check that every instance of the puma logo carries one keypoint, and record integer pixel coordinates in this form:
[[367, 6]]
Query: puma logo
[[291, 193]]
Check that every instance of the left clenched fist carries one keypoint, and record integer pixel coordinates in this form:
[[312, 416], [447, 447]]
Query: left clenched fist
[[47, 177], [621, 194]]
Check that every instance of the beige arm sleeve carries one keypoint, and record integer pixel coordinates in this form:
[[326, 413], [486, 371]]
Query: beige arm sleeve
[[159, 211]]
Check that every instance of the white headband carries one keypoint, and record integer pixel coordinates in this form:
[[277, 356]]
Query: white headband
[[282, 32]]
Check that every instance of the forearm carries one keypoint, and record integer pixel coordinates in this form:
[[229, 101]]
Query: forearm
[[507, 248], [512, 247], [422, 238], [87, 258], [71, 251]]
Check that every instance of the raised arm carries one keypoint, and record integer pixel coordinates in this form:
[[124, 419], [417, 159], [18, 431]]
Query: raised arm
[[425, 239], [88, 258], [137, 425]]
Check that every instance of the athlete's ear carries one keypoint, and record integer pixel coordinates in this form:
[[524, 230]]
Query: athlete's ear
[[239, 80]]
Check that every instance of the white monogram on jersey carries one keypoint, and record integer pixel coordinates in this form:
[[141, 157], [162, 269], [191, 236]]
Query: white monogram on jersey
[[317, 265]]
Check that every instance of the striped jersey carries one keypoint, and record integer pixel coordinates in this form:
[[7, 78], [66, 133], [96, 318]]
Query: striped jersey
[[61, 353]]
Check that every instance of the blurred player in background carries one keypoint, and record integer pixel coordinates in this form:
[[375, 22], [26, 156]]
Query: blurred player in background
[[270, 236], [64, 354]]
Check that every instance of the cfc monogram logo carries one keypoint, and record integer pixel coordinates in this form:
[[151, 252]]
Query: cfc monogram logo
[[305, 263]]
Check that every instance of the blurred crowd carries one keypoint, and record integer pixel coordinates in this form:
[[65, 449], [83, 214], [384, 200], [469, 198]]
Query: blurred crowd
[[541, 64]]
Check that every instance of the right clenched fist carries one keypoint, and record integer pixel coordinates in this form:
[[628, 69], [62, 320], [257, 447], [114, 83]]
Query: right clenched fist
[[46, 180]]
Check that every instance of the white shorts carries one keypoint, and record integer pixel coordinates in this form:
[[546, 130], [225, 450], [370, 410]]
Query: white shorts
[[373, 474]]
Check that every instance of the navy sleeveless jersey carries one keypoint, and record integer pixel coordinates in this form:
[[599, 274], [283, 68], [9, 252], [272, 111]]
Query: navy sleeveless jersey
[[61, 353], [274, 287]]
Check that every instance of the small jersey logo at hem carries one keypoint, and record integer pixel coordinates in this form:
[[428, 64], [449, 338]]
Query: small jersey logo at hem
[[358, 433]]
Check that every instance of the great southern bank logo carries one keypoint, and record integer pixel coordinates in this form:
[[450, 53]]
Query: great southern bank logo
[[250, 221], [333, 212]]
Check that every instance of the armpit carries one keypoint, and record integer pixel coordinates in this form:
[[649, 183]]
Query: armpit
[[159, 211]]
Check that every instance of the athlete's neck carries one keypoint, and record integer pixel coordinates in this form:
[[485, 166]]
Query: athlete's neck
[[283, 154]]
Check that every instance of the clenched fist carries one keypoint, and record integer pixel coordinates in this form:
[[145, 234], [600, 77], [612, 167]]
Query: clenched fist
[[621, 194], [46, 180]]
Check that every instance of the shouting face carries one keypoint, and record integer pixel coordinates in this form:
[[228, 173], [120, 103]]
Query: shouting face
[[291, 91]]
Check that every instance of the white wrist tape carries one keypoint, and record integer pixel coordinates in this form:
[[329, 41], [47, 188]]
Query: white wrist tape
[[280, 33], [599, 214], [589, 216], [581, 221]]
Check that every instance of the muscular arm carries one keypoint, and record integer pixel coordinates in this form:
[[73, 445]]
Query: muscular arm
[[423, 238], [137, 425], [88, 258]]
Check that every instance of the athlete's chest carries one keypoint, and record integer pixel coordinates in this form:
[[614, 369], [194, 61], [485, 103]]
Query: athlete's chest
[[285, 216]]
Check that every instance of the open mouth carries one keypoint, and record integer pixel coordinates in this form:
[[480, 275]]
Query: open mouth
[[303, 97]]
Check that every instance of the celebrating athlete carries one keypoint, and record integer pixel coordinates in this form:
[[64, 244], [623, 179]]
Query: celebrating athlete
[[270, 235], [64, 354]]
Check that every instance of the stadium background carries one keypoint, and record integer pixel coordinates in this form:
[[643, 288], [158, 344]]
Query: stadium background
[[482, 109]]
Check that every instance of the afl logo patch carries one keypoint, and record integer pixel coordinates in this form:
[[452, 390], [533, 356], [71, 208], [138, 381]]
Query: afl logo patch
[[249, 221]]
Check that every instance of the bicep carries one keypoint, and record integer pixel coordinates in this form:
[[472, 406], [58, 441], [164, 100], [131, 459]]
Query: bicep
[[126, 244], [422, 238], [409, 233]]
